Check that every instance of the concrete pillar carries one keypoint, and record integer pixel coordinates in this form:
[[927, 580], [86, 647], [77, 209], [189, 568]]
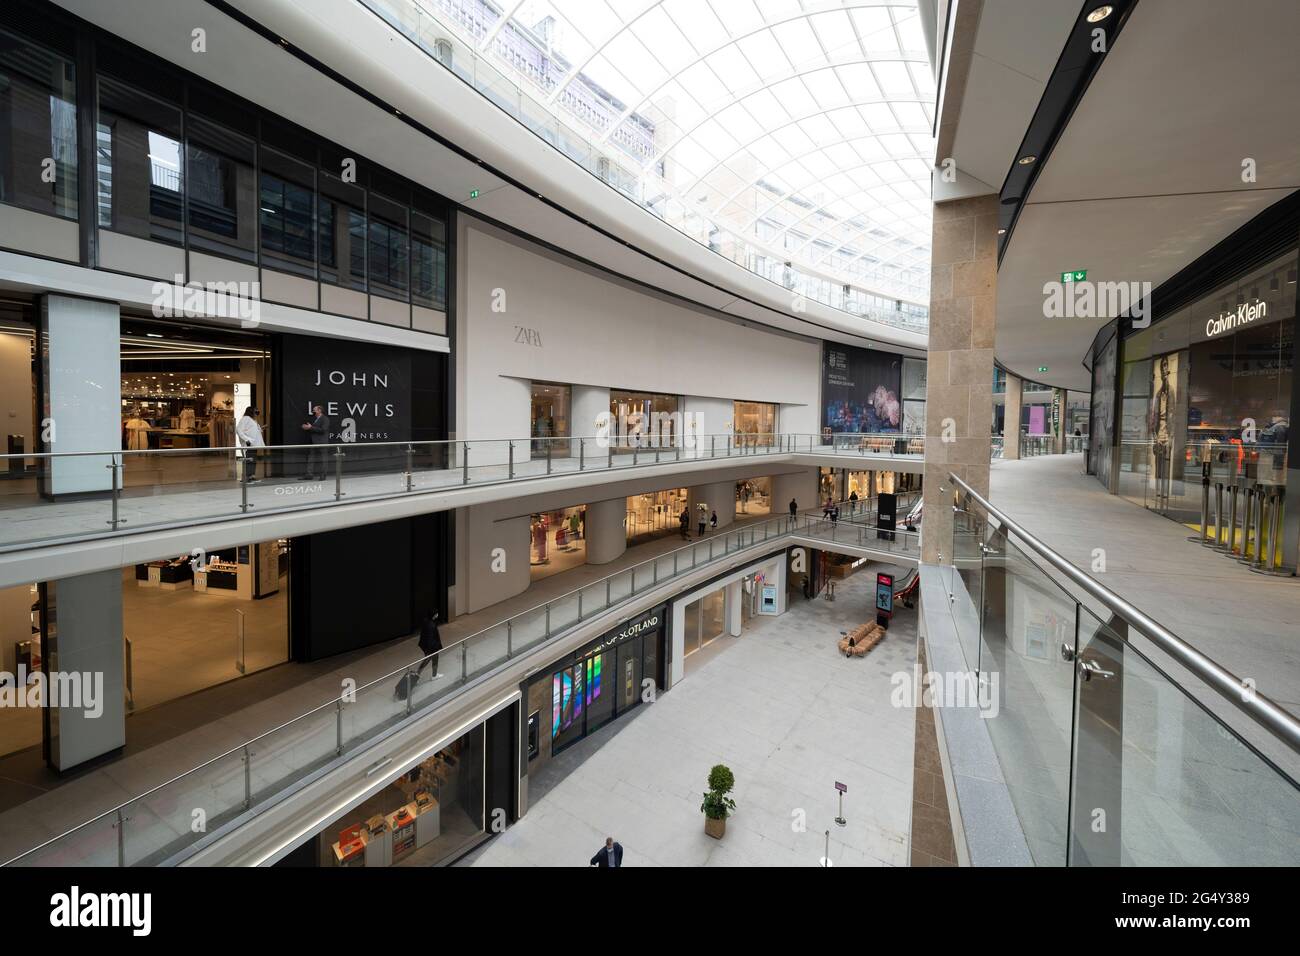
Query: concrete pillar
[[1011, 418], [86, 657], [590, 407], [606, 530], [81, 375], [720, 496], [963, 305], [735, 594], [800, 485], [493, 558]]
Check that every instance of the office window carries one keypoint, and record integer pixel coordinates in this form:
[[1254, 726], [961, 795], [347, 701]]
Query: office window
[[38, 129], [138, 173], [389, 248], [288, 214], [428, 261], [342, 233], [221, 191]]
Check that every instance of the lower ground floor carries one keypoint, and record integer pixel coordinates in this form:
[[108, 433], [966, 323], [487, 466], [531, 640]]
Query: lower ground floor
[[787, 713]]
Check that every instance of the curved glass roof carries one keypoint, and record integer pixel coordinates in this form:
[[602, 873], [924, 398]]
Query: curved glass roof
[[800, 129]]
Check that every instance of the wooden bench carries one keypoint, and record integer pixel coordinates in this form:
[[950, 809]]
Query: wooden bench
[[861, 639]]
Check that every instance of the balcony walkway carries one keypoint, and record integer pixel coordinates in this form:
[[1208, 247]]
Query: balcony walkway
[[183, 734], [1249, 623]]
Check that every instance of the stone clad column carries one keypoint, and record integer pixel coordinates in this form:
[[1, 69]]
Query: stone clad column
[[1011, 417], [959, 409], [606, 530]]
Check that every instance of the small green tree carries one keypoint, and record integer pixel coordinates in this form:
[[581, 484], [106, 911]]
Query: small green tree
[[717, 805]]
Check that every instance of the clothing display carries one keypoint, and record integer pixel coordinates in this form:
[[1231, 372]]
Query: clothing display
[[221, 428], [137, 433], [187, 420]]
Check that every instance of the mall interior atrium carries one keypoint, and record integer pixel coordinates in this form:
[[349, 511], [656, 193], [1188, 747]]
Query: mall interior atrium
[[503, 434]]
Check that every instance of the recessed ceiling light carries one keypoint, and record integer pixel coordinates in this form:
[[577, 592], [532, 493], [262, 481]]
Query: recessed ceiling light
[[1027, 160], [1101, 13], [1002, 232]]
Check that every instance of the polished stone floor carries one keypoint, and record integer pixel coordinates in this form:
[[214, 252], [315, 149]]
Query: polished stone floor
[[789, 715]]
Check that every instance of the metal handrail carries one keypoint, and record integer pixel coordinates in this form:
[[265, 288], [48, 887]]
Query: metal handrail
[[1259, 708], [781, 521], [610, 441]]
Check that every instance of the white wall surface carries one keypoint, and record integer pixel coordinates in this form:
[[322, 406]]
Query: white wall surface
[[563, 322], [83, 381]]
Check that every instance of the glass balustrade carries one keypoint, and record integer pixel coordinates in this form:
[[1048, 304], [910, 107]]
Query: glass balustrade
[[1107, 759], [74, 496]]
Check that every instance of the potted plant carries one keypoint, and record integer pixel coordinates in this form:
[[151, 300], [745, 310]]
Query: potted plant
[[717, 806]]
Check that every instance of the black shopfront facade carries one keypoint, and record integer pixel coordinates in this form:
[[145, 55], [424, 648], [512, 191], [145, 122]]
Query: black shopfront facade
[[363, 585], [596, 684], [1209, 386]]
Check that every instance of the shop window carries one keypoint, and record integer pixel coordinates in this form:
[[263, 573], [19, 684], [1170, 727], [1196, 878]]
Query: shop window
[[656, 514], [288, 214], [754, 423], [643, 419], [38, 123], [550, 419], [389, 248], [342, 232], [557, 541], [221, 191], [138, 171], [426, 816], [428, 261]]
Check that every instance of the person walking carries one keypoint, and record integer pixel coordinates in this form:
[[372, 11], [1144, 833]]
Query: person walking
[[430, 643], [684, 519], [249, 433], [826, 508], [703, 521], [610, 855], [794, 511], [834, 516], [713, 521], [853, 502], [319, 432]]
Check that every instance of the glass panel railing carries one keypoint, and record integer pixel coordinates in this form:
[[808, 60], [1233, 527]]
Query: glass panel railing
[[1191, 792], [1107, 759], [158, 824], [135, 491]]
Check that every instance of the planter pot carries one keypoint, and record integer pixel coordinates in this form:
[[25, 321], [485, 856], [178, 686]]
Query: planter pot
[[715, 828]]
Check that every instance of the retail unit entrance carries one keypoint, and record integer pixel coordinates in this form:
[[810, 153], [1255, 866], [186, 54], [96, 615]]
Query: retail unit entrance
[[192, 622]]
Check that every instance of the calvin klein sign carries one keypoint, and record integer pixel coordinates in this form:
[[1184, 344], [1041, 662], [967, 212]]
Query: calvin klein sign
[[1247, 312], [364, 390]]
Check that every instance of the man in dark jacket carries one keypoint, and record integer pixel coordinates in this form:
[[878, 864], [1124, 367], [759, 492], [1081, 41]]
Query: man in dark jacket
[[611, 854], [430, 642], [318, 430], [794, 511]]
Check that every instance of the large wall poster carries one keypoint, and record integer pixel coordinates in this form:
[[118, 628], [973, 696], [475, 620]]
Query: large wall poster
[[860, 390]]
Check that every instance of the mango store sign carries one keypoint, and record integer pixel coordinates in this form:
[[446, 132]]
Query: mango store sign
[[1246, 313]]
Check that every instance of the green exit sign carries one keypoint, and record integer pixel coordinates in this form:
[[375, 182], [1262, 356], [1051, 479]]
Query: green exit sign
[[473, 194], [1077, 275], [1042, 368]]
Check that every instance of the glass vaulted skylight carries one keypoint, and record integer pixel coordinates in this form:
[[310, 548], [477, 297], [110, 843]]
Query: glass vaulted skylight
[[792, 136]]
